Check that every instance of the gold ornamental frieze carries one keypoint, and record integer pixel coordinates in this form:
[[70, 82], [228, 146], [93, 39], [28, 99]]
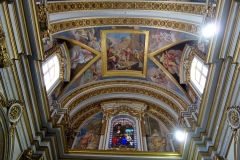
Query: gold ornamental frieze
[[109, 90], [156, 109], [190, 8], [181, 26], [91, 86]]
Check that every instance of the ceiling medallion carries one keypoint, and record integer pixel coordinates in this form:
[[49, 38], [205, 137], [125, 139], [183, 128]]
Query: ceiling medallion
[[15, 112], [233, 117], [198, 9], [150, 22]]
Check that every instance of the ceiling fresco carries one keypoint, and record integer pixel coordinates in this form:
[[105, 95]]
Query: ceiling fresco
[[120, 52]]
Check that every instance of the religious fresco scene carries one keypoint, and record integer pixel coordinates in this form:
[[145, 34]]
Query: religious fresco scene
[[158, 38], [89, 133], [156, 136], [125, 51], [79, 58]]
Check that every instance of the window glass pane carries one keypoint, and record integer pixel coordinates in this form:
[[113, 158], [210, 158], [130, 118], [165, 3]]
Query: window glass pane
[[199, 65], [50, 63], [205, 71], [52, 73], [44, 68], [203, 81], [198, 75], [46, 79]]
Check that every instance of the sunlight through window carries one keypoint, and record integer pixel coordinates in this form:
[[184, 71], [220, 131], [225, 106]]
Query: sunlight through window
[[50, 71], [199, 73]]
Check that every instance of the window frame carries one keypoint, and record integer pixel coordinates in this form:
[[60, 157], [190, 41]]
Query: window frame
[[195, 84], [58, 80]]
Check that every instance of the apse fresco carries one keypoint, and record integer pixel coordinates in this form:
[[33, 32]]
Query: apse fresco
[[158, 38], [89, 133], [79, 58], [156, 136]]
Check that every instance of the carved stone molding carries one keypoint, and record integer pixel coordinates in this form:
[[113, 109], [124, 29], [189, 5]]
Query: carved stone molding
[[148, 22], [198, 9], [5, 61]]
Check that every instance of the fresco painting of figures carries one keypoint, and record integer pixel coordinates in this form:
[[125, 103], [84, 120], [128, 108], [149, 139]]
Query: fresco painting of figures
[[158, 38], [89, 133], [79, 58], [157, 140], [170, 58], [125, 51]]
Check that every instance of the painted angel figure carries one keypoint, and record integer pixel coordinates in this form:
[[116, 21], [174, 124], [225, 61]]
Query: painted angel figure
[[79, 55], [162, 39], [170, 60]]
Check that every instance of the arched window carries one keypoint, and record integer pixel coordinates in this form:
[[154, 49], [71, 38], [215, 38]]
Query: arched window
[[51, 71], [198, 74]]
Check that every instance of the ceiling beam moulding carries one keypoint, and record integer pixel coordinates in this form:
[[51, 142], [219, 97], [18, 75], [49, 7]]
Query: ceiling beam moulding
[[190, 8], [181, 26]]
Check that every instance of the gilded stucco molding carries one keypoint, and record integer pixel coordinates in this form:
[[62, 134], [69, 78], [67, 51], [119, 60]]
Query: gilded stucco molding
[[187, 62], [97, 104], [15, 110], [83, 114], [62, 60], [44, 22], [190, 8], [91, 86], [111, 90], [5, 60], [182, 26]]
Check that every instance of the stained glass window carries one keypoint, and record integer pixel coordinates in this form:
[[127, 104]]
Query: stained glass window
[[123, 132]]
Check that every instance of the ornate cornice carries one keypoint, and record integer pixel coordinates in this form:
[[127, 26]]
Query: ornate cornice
[[198, 9], [148, 22], [141, 90]]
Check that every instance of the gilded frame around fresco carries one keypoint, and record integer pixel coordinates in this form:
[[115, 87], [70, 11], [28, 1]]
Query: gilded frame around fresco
[[105, 72]]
